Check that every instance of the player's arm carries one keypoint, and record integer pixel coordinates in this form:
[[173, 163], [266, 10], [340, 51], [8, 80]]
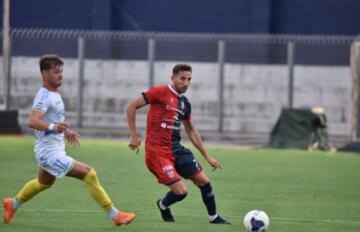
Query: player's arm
[[36, 122], [131, 108], [72, 137], [196, 140]]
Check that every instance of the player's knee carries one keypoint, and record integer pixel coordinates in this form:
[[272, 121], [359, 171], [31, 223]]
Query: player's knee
[[91, 177], [179, 189], [42, 186], [44, 183], [201, 182]]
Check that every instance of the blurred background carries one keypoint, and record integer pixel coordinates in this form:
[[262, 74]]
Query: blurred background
[[252, 59]]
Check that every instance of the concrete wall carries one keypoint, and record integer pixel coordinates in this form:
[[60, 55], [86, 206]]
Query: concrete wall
[[254, 94]]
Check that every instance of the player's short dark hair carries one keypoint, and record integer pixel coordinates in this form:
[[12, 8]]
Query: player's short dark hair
[[181, 67], [49, 61]]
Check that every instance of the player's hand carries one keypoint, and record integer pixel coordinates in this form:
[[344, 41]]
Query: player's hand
[[213, 162], [135, 143], [72, 137], [61, 127]]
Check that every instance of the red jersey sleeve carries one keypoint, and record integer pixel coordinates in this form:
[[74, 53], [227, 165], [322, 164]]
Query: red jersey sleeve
[[152, 95]]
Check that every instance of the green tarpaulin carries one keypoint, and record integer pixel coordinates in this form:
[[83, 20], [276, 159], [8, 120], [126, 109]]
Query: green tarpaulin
[[300, 128]]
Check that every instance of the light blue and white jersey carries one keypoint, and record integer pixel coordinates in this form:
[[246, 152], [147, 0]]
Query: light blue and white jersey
[[52, 105]]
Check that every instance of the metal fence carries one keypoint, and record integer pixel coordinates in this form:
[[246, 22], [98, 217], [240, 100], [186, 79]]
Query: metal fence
[[153, 48], [241, 48]]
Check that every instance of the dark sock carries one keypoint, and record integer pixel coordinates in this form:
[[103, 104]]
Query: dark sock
[[171, 198], [208, 198]]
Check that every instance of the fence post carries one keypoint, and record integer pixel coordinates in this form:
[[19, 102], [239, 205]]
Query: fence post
[[221, 64], [290, 63], [355, 95], [81, 57], [151, 60], [6, 46]]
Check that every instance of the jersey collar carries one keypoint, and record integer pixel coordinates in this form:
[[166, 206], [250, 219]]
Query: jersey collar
[[174, 91]]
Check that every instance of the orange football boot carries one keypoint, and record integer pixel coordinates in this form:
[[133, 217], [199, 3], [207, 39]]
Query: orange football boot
[[123, 218], [9, 212]]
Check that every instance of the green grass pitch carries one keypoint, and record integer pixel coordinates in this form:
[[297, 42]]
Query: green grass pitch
[[300, 190]]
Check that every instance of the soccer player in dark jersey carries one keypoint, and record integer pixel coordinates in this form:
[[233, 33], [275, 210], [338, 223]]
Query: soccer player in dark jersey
[[165, 157]]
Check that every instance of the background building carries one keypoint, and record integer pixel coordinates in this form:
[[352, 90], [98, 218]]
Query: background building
[[209, 16], [128, 46]]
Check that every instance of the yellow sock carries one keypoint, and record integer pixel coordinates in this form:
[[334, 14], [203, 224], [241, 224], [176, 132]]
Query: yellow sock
[[30, 189], [97, 191]]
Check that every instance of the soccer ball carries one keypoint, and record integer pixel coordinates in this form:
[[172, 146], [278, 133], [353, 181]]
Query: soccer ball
[[256, 221]]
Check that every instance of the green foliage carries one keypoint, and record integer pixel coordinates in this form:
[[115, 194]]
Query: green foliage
[[299, 190]]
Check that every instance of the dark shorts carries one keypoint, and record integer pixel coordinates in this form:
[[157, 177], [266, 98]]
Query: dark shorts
[[169, 167]]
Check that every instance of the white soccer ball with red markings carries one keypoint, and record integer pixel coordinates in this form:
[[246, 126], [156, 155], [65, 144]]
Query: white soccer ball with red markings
[[256, 221]]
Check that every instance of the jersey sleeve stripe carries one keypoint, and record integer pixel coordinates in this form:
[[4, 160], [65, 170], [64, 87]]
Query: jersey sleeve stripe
[[145, 98], [38, 109]]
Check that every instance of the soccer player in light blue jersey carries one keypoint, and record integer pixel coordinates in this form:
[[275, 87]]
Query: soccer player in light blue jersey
[[47, 118]]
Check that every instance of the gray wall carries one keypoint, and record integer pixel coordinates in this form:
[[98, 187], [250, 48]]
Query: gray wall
[[254, 94]]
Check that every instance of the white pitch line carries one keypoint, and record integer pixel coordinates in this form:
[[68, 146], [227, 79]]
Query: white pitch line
[[280, 219], [319, 221]]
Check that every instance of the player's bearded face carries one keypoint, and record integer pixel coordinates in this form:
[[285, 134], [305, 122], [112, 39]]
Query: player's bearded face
[[181, 81], [54, 76]]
